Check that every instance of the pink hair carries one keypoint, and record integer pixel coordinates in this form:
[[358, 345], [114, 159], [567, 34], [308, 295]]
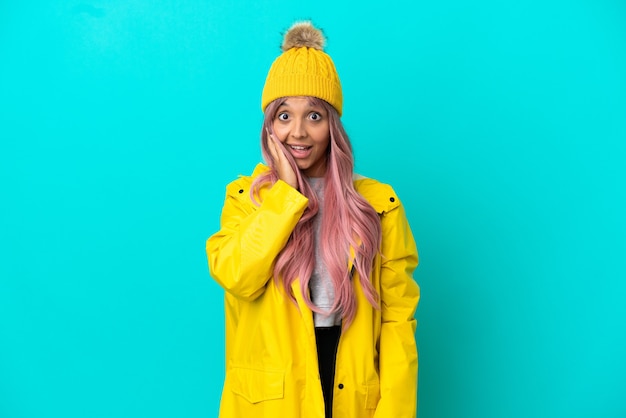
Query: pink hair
[[348, 221]]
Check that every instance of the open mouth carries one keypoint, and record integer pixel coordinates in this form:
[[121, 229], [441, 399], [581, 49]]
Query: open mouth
[[299, 147], [300, 151]]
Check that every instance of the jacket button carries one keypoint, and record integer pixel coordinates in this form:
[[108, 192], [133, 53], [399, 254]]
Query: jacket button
[[240, 190], [392, 199], [340, 386]]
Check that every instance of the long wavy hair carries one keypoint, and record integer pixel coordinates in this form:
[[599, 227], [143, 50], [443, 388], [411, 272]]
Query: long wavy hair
[[348, 222]]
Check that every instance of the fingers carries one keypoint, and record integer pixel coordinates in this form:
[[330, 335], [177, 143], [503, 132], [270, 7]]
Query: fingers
[[271, 144], [281, 162], [276, 151]]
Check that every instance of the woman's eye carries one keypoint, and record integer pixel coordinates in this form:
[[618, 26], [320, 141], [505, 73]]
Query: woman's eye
[[315, 116], [282, 116]]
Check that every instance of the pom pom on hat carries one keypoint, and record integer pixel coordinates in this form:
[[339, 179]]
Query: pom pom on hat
[[303, 34], [303, 69]]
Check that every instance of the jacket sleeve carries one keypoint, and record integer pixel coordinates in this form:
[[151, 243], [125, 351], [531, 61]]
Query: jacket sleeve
[[399, 297], [241, 254]]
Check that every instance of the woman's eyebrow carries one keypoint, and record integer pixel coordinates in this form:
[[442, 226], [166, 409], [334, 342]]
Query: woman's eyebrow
[[310, 107]]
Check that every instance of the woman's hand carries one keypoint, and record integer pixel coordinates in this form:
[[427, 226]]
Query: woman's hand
[[284, 169]]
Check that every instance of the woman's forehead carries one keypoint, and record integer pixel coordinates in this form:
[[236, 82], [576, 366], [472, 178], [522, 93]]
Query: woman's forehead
[[308, 101]]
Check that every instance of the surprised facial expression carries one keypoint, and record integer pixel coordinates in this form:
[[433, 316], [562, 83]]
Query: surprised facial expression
[[304, 130]]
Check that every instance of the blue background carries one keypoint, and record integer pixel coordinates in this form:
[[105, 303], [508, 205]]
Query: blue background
[[502, 127]]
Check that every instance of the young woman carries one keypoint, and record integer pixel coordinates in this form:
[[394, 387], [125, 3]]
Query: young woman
[[316, 263]]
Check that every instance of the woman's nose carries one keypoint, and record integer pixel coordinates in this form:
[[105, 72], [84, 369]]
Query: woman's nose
[[299, 130]]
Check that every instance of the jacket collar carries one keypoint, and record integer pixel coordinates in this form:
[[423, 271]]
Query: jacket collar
[[381, 196]]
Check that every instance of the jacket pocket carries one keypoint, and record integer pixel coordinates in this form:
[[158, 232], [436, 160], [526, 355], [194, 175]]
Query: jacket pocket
[[372, 396], [256, 385]]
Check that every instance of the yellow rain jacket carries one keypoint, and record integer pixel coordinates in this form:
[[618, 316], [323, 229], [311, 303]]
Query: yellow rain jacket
[[271, 357]]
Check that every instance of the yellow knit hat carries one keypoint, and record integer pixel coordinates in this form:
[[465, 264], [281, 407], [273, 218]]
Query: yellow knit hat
[[303, 69]]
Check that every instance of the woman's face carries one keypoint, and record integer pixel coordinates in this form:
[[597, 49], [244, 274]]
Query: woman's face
[[304, 130]]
